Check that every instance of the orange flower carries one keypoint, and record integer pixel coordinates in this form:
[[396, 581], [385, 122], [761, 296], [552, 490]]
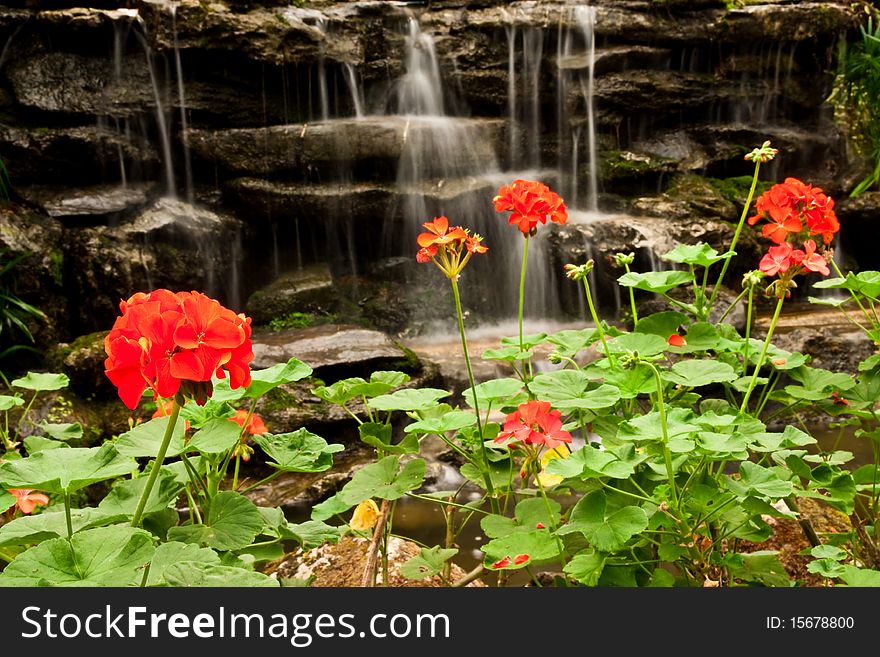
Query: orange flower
[[27, 500], [448, 248], [439, 233], [530, 203], [795, 208], [255, 426], [675, 340], [533, 423]]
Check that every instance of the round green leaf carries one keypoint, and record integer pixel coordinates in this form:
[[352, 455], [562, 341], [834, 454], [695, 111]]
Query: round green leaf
[[493, 392], [168, 554], [65, 470], [28, 530], [538, 544], [427, 563], [385, 480], [199, 574], [262, 381], [126, 494], [411, 399], [655, 281], [696, 373], [451, 421], [298, 451], [107, 556], [145, 439], [605, 533], [217, 437], [232, 523], [39, 381]]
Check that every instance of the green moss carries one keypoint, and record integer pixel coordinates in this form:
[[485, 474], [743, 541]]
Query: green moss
[[736, 189], [56, 266], [623, 165], [410, 361], [298, 320], [277, 399]]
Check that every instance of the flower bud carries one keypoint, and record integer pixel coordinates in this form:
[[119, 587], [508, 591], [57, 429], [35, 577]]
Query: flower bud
[[752, 278], [623, 259], [762, 154], [579, 272]]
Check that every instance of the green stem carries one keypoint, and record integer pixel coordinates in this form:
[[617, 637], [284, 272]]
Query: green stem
[[632, 303], [157, 464], [749, 310], [739, 227], [445, 503], [596, 321], [67, 516], [852, 293], [732, 305], [490, 489], [235, 472], [763, 356], [553, 524], [264, 480], [522, 291], [667, 455]]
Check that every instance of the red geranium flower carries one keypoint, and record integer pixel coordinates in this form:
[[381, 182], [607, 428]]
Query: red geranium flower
[[534, 423], [27, 500], [776, 260], [790, 205], [675, 340], [163, 339], [530, 203], [812, 261], [440, 234], [255, 426]]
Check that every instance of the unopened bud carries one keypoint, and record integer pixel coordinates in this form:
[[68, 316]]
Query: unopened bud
[[623, 259], [752, 279], [762, 154], [579, 272]]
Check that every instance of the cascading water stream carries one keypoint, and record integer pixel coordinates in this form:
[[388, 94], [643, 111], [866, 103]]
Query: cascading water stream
[[181, 94]]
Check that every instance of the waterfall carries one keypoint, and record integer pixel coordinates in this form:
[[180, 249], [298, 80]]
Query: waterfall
[[586, 18], [161, 121], [181, 95], [355, 89]]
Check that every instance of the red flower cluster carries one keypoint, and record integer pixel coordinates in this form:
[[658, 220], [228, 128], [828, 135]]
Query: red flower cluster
[[795, 213], [779, 259], [533, 423], [450, 244], [791, 208], [530, 203], [519, 560], [163, 339]]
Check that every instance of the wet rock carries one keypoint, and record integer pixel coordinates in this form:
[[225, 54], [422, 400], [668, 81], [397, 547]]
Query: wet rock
[[370, 146], [171, 244], [79, 155], [308, 290], [89, 205], [74, 83], [83, 362], [332, 347], [858, 218], [343, 564], [38, 278]]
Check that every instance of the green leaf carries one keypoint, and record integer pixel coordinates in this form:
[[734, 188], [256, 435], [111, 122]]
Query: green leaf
[[646, 344], [7, 500], [700, 336], [126, 494], [28, 530], [340, 392], [700, 254], [662, 324], [589, 463], [570, 342], [145, 439], [348, 389], [312, 533], [64, 471], [826, 568], [529, 513], [655, 281], [232, 523], [217, 437], [63, 432], [107, 556], [679, 422], [34, 444], [223, 392], [696, 373], [559, 384], [592, 399], [451, 421], [7, 402], [829, 552], [761, 567], [607, 534], [500, 473], [168, 554], [529, 340], [385, 480], [262, 381], [330, 507], [411, 399], [200, 574], [586, 567], [539, 545], [380, 436], [427, 563], [760, 480], [42, 381], [298, 451], [632, 383], [494, 392], [863, 577]]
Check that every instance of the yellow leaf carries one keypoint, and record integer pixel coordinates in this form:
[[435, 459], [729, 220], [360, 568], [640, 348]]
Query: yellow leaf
[[365, 516], [550, 480]]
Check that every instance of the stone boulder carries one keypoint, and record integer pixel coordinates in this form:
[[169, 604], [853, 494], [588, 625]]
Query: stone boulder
[[342, 565], [90, 205], [307, 290], [170, 244]]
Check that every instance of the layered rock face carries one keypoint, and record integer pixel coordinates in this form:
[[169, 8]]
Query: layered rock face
[[227, 147]]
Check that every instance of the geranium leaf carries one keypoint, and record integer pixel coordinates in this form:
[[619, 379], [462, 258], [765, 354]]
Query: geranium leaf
[[38, 381], [262, 381], [28, 530], [200, 574], [298, 451], [232, 523], [125, 495], [168, 554], [145, 439], [607, 533], [384, 480], [427, 563], [106, 556], [65, 471], [410, 399]]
